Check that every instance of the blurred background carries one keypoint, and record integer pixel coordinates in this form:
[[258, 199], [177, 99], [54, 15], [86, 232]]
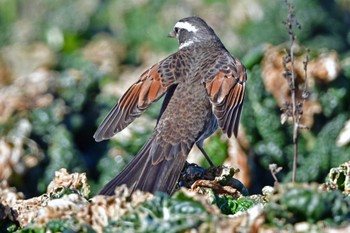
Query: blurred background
[[65, 63]]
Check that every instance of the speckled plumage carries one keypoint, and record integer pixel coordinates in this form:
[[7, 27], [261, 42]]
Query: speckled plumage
[[204, 87]]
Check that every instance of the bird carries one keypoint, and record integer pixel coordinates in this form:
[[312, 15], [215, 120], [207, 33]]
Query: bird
[[203, 87]]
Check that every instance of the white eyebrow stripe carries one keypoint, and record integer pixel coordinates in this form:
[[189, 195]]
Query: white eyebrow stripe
[[187, 43], [186, 25]]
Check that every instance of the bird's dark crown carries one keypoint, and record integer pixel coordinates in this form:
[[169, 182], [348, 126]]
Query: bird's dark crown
[[192, 30]]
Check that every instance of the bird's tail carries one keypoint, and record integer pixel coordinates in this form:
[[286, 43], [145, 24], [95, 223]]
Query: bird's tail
[[155, 168]]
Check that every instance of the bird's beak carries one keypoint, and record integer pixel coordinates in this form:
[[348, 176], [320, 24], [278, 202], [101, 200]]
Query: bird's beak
[[172, 34]]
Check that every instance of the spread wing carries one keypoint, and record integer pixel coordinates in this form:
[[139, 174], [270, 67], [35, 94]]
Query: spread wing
[[152, 84], [225, 85]]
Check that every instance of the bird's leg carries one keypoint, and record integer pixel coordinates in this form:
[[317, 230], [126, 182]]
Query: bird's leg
[[200, 147]]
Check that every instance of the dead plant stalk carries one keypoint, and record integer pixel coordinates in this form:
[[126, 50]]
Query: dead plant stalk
[[295, 113], [296, 110]]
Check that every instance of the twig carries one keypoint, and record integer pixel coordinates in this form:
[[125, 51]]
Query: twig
[[274, 169], [295, 109]]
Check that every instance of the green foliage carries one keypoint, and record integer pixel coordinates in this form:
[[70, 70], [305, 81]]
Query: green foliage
[[346, 65], [325, 152], [272, 142], [61, 153], [267, 135], [106, 173], [162, 214], [216, 149], [7, 226], [56, 129], [121, 17], [253, 56], [62, 225], [332, 100], [45, 119], [77, 81], [339, 178], [230, 205], [322, 27], [299, 204]]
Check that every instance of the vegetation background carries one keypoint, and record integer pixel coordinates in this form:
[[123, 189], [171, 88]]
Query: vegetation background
[[64, 64]]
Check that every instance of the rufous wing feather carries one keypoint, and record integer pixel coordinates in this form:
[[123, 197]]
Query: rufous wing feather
[[226, 92], [132, 104]]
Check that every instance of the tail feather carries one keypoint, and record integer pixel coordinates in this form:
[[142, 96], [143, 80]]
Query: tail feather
[[150, 175]]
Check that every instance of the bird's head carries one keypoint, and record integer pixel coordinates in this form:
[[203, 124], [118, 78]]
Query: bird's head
[[191, 31]]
